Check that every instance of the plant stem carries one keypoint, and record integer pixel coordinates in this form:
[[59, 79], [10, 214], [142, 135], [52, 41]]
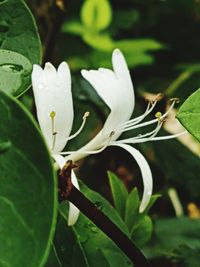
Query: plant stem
[[52, 36], [69, 192]]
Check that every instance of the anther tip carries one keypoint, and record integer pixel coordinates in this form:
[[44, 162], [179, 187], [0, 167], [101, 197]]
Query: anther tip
[[158, 97], [158, 115], [87, 114], [175, 99]]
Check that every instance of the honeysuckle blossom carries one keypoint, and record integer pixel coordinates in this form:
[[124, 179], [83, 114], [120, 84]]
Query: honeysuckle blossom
[[53, 99], [116, 89]]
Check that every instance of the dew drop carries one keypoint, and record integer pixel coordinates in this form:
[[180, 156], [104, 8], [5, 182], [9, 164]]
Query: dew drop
[[4, 146], [94, 229], [99, 205], [13, 68]]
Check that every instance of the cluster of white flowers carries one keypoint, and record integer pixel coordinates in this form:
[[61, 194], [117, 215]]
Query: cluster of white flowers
[[53, 99]]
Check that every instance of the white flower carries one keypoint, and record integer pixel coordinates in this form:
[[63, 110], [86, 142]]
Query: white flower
[[116, 89], [53, 99]]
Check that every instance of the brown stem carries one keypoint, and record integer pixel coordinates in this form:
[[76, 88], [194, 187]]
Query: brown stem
[[52, 37], [69, 192]]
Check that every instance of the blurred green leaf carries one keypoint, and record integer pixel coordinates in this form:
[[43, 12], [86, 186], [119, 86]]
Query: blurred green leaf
[[96, 15], [171, 233], [102, 42], [18, 30], [15, 72], [28, 198], [189, 114], [176, 162], [73, 27], [119, 193], [187, 256]]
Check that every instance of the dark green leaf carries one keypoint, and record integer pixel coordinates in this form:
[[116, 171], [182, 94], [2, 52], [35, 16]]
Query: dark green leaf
[[27, 189], [18, 31], [119, 193], [189, 114], [15, 72], [187, 256]]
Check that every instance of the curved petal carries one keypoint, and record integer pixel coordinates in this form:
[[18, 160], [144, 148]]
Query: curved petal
[[73, 211], [145, 171], [52, 92]]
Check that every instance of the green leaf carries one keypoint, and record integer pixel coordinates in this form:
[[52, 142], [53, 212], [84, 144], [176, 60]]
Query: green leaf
[[189, 114], [139, 224], [96, 15], [28, 195], [171, 233], [187, 256], [18, 31], [117, 259], [85, 242], [141, 234], [73, 27], [15, 72], [132, 209], [119, 193], [101, 42]]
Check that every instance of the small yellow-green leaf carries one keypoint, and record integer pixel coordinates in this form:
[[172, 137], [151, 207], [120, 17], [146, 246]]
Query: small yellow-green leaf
[[96, 14]]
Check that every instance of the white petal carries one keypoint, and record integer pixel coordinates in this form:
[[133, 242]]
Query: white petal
[[60, 160], [73, 211], [116, 89], [52, 92], [102, 83], [145, 171], [119, 63]]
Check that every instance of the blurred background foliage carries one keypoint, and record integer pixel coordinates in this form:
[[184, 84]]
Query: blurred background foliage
[[160, 40]]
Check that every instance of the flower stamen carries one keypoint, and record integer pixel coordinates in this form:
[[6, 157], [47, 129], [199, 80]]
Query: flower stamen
[[85, 116], [136, 126], [93, 151], [54, 133]]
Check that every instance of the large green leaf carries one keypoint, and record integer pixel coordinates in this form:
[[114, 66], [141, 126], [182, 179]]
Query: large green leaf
[[86, 245], [189, 114], [27, 189], [18, 31], [15, 72]]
